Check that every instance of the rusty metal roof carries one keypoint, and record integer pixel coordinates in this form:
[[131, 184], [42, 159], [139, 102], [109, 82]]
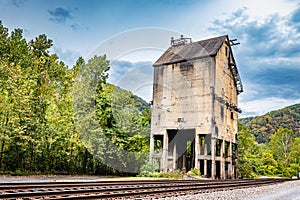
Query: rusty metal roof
[[191, 51]]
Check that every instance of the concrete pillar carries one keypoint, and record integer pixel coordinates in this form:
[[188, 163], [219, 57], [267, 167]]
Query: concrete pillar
[[183, 163], [197, 150], [213, 158], [205, 160], [222, 160], [174, 156], [230, 169], [151, 148], [236, 162], [165, 152]]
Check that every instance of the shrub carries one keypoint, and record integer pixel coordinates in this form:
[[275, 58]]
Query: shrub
[[148, 170], [194, 172]]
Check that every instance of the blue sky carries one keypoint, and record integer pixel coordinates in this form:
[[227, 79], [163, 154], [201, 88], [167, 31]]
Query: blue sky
[[134, 33]]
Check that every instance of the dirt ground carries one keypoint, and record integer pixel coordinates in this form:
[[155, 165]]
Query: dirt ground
[[51, 178]]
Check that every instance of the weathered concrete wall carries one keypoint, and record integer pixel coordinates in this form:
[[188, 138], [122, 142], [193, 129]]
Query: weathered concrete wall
[[225, 117], [225, 90], [183, 90]]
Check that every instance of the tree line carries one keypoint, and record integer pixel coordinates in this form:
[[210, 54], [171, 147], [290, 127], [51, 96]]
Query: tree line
[[60, 119], [269, 145], [278, 157], [266, 125]]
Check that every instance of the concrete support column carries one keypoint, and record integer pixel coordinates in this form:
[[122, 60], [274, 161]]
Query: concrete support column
[[151, 148], [231, 170], [205, 160], [197, 150], [165, 152], [222, 160], [174, 157], [183, 163], [213, 158], [236, 161]]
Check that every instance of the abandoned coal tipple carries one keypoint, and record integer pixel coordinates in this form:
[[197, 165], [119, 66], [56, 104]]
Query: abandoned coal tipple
[[194, 122]]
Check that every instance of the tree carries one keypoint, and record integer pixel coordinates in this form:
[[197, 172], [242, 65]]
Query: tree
[[295, 156], [267, 165], [281, 143], [57, 119], [109, 119], [90, 78], [248, 152], [37, 133], [281, 146]]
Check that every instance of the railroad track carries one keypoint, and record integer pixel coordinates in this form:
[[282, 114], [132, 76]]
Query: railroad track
[[122, 189]]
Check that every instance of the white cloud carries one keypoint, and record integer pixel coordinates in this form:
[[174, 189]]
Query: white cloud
[[265, 105], [69, 57], [268, 57], [259, 8], [280, 62]]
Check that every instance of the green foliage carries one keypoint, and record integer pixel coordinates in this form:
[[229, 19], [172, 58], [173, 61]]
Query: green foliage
[[279, 157], [172, 175], [281, 143], [295, 155], [194, 172], [149, 170], [268, 165], [266, 125], [126, 125], [278, 133], [156, 174], [34, 105], [60, 120], [152, 170], [248, 150]]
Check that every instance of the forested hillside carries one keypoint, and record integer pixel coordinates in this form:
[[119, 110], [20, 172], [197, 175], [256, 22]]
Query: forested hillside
[[65, 119], [266, 125], [269, 145]]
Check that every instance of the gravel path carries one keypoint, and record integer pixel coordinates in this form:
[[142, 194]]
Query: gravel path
[[50, 178], [281, 191]]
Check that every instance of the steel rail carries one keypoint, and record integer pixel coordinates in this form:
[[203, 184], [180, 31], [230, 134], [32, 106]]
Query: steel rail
[[177, 189], [32, 185], [132, 188]]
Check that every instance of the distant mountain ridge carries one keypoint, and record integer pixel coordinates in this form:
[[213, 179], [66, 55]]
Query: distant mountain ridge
[[266, 125]]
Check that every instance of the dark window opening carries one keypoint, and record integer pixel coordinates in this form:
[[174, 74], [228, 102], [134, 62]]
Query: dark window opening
[[222, 112], [218, 169], [227, 145], [218, 148], [158, 143], [180, 119], [217, 131], [231, 115]]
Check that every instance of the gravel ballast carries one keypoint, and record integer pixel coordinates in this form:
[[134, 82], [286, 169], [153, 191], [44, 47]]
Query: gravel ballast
[[281, 191]]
